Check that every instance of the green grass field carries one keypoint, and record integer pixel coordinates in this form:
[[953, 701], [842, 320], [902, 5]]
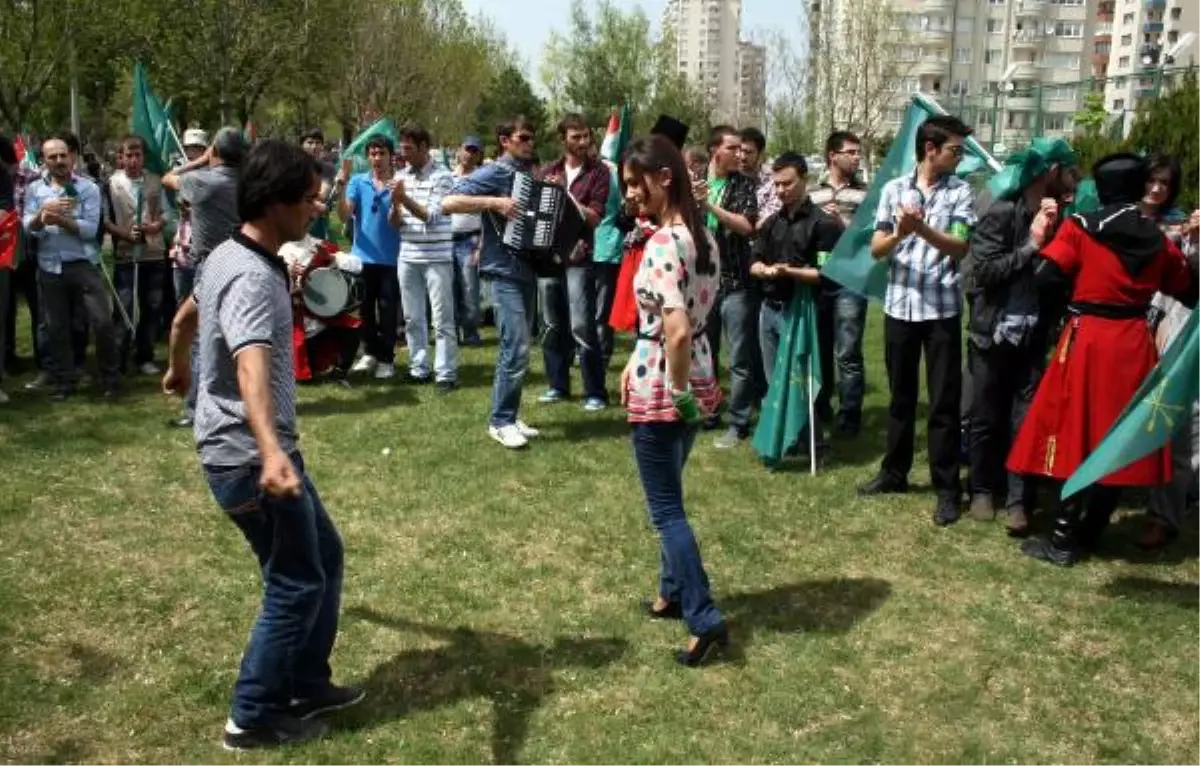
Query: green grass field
[[491, 601]]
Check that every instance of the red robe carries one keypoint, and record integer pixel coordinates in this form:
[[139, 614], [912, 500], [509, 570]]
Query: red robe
[[1099, 363], [315, 355]]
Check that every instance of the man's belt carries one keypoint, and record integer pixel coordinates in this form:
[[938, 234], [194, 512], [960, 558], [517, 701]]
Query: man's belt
[[1109, 310]]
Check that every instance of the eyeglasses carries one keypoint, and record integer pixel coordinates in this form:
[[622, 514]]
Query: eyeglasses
[[522, 138], [850, 152]]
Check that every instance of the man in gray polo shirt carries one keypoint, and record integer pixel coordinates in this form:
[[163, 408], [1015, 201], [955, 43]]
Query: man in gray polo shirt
[[208, 185], [247, 439]]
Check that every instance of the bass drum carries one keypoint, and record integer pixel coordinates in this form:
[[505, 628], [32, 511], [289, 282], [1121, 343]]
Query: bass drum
[[327, 292]]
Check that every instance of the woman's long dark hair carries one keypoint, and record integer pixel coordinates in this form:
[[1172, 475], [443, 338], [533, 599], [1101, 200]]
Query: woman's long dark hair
[[1169, 163], [651, 154]]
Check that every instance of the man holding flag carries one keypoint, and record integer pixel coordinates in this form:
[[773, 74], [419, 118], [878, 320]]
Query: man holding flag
[[922, 225]]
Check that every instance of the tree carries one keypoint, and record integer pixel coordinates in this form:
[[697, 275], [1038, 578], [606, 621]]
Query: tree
[[1167, 125], [508, 95], [790, 125], [1091, 140]]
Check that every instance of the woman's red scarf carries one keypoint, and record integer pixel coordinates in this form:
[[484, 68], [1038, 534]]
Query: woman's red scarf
[[624, 315]]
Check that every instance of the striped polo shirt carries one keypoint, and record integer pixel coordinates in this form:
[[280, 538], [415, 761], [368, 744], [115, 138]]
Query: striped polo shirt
[[431, 241]]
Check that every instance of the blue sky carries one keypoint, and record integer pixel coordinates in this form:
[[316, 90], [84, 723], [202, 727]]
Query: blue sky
[[528, 23]]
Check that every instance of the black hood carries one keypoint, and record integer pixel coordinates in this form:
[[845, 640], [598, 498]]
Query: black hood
[[1123, 229]]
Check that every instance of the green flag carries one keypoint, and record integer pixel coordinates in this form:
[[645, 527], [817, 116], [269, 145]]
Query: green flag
[[1161, 406], [1086, 198], [851, 264], [150, 120], [795, 381], [357, 150]]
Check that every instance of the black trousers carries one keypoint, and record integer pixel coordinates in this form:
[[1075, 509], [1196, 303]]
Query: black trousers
[[380, 311], [941, 342], [1003, 380]]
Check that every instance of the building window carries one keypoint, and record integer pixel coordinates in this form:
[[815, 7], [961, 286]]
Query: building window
[[1068, 29], [1103, 49], [1172, 37], [1127, 19], [1123, 62], [995, 2], [993, 56], [1176, 13], [1118, 104], [1127, 40], [995, 26], [962, 55], [1061, 122], [964, 25]]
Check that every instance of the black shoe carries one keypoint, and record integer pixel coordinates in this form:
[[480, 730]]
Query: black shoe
[[472, 341], [884, 483], [707, 646], [948, 510], [110, 393], [848, 427], [1043, 549], [181, 422], [332, 699], [419, 381], [61, 394], [673, 610], [445, 386], [284, 731]]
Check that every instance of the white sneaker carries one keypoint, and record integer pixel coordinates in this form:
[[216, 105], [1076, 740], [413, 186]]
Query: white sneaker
[[365, 363], [149, 368], [509, 436], [527, 431], [3, 398], [385, 371]]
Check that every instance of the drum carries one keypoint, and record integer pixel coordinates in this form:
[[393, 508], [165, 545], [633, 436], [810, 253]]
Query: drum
[[327, 292]]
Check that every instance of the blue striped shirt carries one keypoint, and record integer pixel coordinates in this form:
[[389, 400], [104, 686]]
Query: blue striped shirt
[[56, 245], [431, 241], [923, 284]]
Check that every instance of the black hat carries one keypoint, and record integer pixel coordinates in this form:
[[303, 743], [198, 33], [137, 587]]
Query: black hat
[[1120, 178], [671, 128]]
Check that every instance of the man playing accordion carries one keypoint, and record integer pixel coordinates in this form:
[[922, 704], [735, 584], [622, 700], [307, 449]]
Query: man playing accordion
[[325, 332]]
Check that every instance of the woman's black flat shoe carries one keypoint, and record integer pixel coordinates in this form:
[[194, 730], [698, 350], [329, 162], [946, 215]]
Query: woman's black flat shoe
[[673, 611], [707, 646]]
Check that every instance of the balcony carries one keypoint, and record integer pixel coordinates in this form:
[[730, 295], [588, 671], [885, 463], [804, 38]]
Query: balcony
[[934, 34], [1021, 101], [1027, 40], [1156, 5], [1099, 63], [1105, 18], [930, 67], [1102, 37], [1025, 70], [933, 6], [1025, 8], [1150, 27]]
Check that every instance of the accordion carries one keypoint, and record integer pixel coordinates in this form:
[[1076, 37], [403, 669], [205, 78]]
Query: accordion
[[547, 222]]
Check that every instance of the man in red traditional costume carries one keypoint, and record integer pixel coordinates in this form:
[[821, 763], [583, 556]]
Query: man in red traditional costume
[[1111, 262], [320, 344]]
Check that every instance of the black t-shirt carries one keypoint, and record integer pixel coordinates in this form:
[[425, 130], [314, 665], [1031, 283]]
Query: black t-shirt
[[796, 239]]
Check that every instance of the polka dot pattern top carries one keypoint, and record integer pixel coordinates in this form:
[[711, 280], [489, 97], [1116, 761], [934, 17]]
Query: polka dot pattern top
[[667, 279]]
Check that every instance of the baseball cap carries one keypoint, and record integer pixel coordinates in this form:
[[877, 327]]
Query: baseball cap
[[473, 142], [195, 137]]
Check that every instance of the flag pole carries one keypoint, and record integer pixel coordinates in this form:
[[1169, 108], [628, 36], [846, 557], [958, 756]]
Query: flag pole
[[812, 423], [117, 297]]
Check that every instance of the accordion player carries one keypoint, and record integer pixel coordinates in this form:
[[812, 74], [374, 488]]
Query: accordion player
[[547, 226]]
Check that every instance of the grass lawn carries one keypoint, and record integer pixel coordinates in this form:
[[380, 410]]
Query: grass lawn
[[490, 602]]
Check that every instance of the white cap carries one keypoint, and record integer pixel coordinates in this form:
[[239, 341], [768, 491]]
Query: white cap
[[195, 137]]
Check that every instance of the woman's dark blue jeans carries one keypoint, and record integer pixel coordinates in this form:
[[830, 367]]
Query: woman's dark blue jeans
[[661, 451]]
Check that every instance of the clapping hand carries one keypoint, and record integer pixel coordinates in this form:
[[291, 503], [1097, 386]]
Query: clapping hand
[[397, 187], [908, 219], [1042, 228]]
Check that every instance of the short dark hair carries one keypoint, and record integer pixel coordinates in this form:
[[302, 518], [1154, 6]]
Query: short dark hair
[[837, 141], [314, 134], [274, 172], [8, 151], [793, 160], [754, 136], [937, 130], [380, 141], [571, 121], [510, 126], [717, 135], [416, 133], [71, 140], [230, 145], [133, 140]]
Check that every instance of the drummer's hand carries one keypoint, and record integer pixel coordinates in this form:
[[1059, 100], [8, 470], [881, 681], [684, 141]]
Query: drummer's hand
[[296, 270], [505, 206]]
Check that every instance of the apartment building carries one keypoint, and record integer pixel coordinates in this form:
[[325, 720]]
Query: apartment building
[[1011, 68], [1133, 38], [731, 73]]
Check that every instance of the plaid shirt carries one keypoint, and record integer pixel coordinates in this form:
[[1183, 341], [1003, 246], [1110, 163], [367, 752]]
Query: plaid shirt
[[923, 283]]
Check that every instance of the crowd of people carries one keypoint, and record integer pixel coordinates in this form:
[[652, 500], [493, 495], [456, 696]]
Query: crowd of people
[[694, 248]]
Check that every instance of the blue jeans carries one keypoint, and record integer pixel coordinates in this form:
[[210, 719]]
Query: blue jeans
[[185, 279], [737, 314], [429, 285], [513, 301], [606, 292], [466, 287], [661, 451], [842, 320], [300, 553], [568, 306]]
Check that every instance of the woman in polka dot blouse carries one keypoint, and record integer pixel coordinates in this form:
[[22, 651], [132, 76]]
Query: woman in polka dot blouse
[[669, 384]]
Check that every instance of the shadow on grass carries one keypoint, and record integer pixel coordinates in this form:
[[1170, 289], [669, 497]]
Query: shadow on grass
[[321, 399], [1181, 594], [815, 606], [1120, 542], [515, 675]]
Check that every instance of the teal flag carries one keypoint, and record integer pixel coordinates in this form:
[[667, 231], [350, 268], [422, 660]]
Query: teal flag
[[150, 120], [795, 381], [850, 264], [1161, 406], [1086, 198], [357, 150]]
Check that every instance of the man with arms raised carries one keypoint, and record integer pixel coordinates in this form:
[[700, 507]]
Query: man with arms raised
[[247, 439]]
